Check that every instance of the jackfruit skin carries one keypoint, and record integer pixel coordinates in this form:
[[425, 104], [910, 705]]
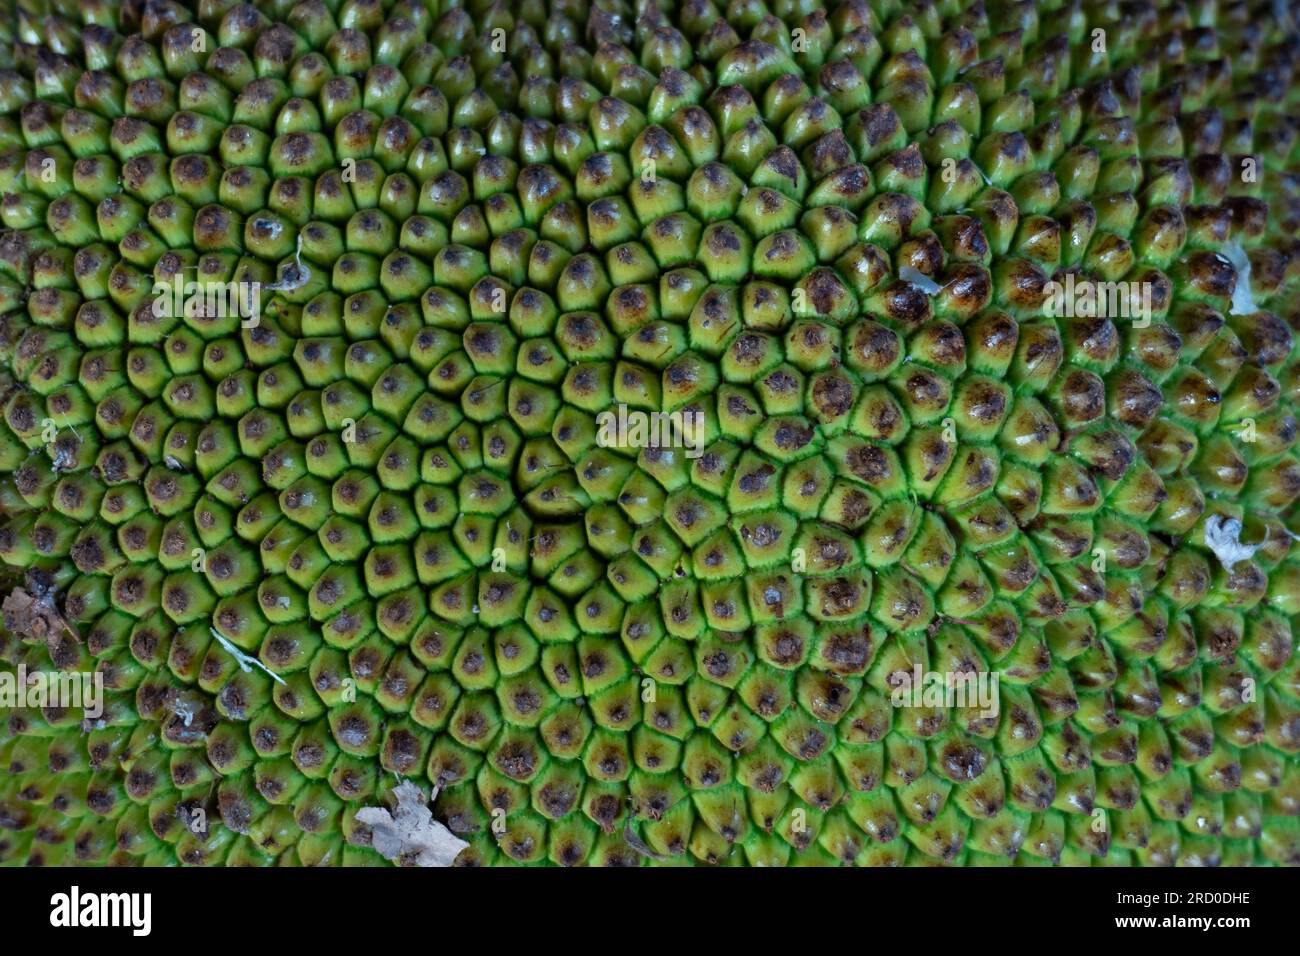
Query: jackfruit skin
[[826, 229]]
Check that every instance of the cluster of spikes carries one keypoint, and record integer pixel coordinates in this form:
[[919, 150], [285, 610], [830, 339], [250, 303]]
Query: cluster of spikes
[[311, 313]]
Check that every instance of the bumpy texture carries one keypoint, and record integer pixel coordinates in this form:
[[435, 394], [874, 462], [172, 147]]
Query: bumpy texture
[[372, 533]]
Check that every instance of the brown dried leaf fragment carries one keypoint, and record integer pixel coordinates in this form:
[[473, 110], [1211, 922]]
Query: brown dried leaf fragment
[[31, 613]]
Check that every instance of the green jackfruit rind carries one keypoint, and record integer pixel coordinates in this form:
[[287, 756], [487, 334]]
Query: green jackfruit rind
[[378, 522]]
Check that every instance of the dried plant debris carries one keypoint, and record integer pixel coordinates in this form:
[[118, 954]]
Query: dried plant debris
[[409, 835], [30, 611], [633, 839], [245, 661], [919, 279], [1223, 537], [1243, 303]]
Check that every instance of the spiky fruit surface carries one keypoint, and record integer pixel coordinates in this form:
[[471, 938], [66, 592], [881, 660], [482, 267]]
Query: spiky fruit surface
[[829, 232]]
